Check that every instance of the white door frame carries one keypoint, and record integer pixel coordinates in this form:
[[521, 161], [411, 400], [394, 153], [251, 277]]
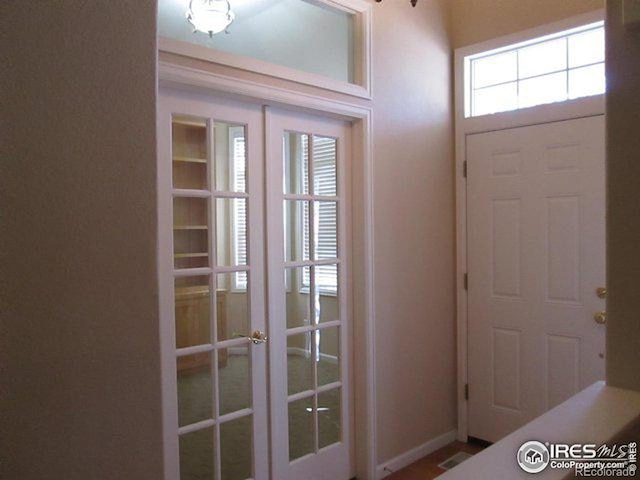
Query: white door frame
[[583, 107], [362, 249]]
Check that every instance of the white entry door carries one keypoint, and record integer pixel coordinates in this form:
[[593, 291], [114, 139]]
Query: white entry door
[[251, 392], [536, 257]]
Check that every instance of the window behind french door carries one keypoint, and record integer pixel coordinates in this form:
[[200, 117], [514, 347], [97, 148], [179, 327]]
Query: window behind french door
[[219, 342]]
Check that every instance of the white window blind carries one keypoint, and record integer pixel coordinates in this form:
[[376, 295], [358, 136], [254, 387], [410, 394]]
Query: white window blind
[[239, 207], [325, 212]]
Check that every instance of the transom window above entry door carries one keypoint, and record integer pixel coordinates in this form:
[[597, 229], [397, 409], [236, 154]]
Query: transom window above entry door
[[554, 68]]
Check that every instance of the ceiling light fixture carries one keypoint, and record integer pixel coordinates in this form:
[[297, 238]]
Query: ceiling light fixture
[[209, 16]]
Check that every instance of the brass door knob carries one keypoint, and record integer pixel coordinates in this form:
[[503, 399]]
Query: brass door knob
[[600, 317], [256, 337], [601, 292]]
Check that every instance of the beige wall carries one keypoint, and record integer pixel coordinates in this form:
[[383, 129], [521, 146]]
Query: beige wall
[[623, 198], [414, 224], [82, 223], [475, 21], [81, 386]]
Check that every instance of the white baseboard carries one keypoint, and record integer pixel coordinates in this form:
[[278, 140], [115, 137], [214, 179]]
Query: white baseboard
[[407, 458]]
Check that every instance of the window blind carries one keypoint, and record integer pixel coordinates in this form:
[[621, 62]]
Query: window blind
[[239, 212]]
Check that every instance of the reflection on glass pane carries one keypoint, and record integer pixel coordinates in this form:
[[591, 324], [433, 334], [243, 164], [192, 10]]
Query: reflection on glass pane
[[495, 99], [236, 449], [324, 166], [494, 69], [297, 294], [326, 303], [299, 363], [190, 232], [192, 311], [586, 48], [189, 150], [587, 81], [232, 305], [326, 230], [230, 157], [196, 455], [234, 374], [545, 89], [301, 428], [329, 418], [295, 155], [231, 231], [544, 57], [296, 230], [328, 340], [189, 138], [194, 388]]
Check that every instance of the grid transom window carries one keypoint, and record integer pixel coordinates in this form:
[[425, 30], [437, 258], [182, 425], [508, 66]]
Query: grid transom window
[[554, 68]]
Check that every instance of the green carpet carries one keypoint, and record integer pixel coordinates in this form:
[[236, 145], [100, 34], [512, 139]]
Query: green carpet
[[195, 404]]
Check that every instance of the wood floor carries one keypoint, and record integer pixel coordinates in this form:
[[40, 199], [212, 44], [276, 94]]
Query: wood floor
[[427, 468]]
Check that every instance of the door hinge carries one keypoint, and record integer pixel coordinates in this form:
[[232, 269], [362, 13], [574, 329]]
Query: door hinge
[[466, 391], [465, 281], [464, 169]]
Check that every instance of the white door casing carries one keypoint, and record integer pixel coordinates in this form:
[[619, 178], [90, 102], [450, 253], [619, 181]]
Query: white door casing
[[536, 245]]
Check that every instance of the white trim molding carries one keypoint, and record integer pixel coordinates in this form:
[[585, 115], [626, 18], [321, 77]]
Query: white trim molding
[[415, 454], [363, 290], [361, 86], [553, 112]]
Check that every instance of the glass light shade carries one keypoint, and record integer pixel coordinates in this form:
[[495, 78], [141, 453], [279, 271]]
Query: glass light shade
[[210, 16]]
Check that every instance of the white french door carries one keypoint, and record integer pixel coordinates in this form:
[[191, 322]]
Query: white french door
[[307, 194], [251, 392]]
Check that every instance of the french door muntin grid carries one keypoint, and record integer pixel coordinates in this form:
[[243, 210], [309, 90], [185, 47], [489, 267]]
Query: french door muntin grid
[[212, 272], [315, 329]]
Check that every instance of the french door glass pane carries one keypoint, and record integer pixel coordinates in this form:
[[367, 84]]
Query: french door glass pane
[[328, 359], [192, 311], [326, 305], [236, 449], [232, 306], [197, 455], [326, 230], [230, 157], [234, 377], [298, 306], [299, 362], [301, 428], [195, 389], [324, 166], [329, 418], [190, 232], [231, 231], [296, 224], [189, 152], [295, 157]]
